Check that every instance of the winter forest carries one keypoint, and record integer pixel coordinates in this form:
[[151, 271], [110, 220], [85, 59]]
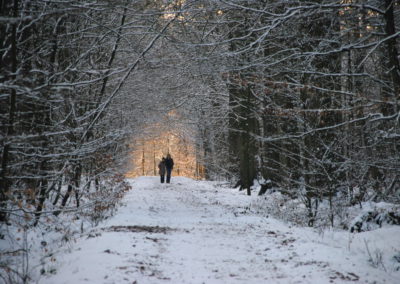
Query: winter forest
[[296, 98]]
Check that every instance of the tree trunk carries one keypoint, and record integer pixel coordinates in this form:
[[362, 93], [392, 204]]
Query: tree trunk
[[4, 181], [73, 185], [42, 198], [394, 64], [59, 186]]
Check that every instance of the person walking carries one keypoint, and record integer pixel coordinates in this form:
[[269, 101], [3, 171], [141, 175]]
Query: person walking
[[169, 165], [161, 169]]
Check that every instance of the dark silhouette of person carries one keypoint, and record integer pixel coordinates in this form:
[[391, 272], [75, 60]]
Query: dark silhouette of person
[[161, 169], [169, 165]]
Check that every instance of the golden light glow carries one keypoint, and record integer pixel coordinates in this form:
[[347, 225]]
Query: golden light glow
[[148, 151], [171, 9]]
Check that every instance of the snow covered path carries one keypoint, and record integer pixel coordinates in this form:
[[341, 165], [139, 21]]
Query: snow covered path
[[198, 232]]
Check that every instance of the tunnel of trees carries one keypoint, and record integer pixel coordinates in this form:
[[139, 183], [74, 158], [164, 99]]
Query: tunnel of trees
[[303, 96]]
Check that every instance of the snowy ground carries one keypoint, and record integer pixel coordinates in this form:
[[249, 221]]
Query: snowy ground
[[199, 232]]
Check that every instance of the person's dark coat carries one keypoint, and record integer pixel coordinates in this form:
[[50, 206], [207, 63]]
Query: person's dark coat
[[161, 167], [169, 163]]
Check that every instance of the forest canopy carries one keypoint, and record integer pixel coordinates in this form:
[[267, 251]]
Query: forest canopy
[[301, 96]]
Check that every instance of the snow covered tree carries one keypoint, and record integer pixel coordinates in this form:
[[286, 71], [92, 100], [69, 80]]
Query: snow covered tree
[[313, 100]]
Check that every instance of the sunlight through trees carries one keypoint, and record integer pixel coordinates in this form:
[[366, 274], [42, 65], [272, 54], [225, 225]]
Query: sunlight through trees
[[155, 143]]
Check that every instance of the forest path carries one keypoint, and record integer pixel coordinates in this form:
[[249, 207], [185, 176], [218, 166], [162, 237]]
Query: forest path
[[199, 232]]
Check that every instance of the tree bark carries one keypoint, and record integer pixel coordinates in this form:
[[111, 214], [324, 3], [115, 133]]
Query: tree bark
[[73, 185], [4, 181], [394, 64]]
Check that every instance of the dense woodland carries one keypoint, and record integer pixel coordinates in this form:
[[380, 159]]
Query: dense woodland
[[303, 96]]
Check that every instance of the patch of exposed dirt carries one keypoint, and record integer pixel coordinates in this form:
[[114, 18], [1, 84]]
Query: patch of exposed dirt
[[288, 241], [312, 262], [140, 229], [349, 276]]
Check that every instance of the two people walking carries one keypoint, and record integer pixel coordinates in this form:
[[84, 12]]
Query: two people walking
[[165, 167]]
